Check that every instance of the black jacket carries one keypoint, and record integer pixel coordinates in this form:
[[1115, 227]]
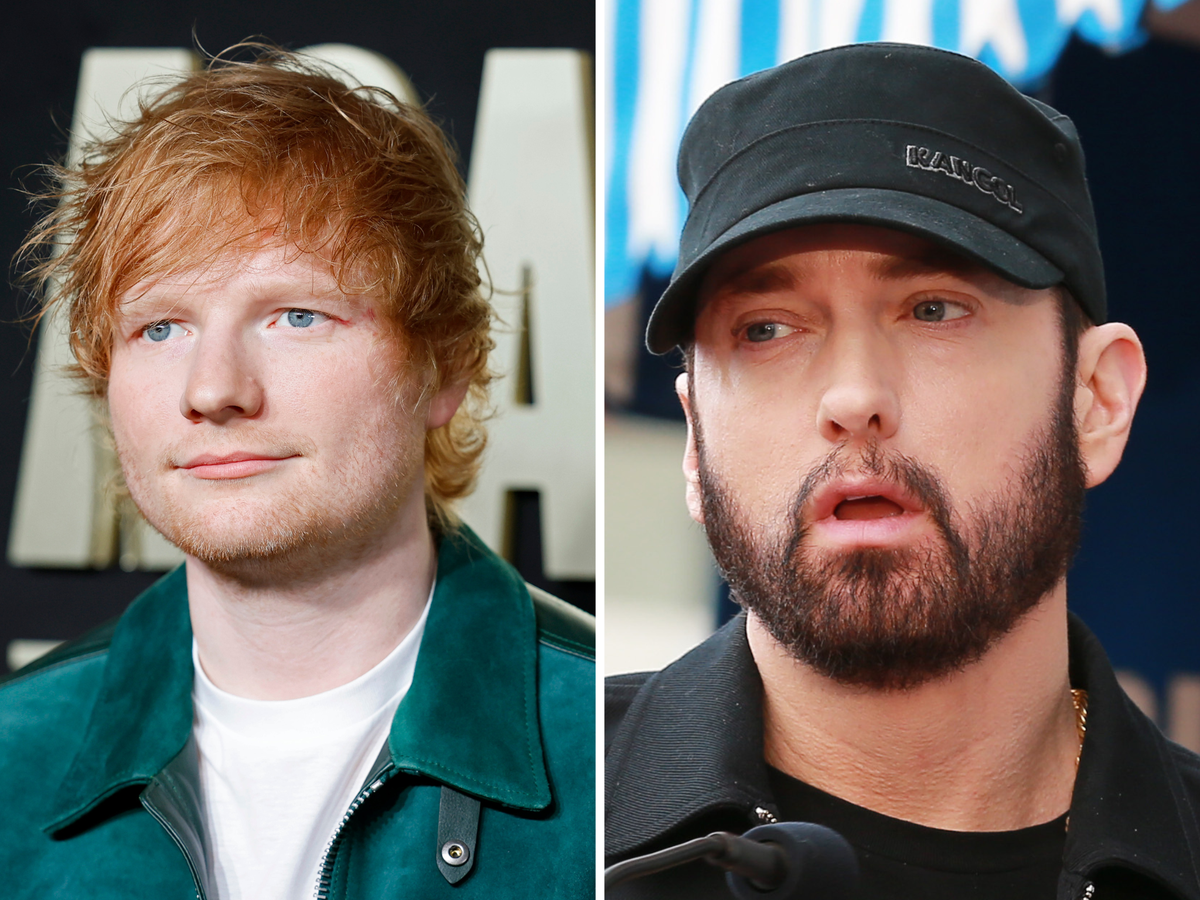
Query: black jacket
[[684, 757]]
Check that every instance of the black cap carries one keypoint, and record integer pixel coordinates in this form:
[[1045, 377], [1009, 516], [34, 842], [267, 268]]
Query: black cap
[[897, 135]]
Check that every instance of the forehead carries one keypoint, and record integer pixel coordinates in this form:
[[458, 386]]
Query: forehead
[[784, 259], [246, 270]]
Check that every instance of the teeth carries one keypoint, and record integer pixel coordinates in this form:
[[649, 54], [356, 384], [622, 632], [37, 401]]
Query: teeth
[[860, 497]]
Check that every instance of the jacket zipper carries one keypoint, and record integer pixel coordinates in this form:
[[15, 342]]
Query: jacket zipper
[[325, 878], [158, 817]]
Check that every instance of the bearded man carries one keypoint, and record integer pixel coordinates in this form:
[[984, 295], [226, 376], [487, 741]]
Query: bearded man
[[899, 383], [272, 283]]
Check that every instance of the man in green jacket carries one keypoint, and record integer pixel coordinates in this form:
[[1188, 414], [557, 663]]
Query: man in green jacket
[[272, 280]]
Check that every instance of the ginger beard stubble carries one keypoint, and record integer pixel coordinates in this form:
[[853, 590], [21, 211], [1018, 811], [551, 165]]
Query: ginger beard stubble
[[894, 619]]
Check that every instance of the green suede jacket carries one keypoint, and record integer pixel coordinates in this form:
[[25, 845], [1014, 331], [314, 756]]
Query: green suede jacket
[[490, 756]]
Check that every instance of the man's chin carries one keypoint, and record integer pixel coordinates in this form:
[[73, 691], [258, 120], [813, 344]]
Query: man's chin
[[245, 534], [873, 619], [237, 542], [857, 662]]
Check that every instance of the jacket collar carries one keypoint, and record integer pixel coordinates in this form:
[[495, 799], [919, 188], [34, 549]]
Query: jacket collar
[[469, 720], [705, 709], [142, 716], [1130, 807]]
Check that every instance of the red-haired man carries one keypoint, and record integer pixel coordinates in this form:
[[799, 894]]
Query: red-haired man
[[272, 281]]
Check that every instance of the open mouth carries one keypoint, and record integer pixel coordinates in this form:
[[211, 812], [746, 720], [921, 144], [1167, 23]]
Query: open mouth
[[872, 507]]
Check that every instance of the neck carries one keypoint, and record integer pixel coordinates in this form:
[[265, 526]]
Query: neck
[[991, 747], [281, 639]]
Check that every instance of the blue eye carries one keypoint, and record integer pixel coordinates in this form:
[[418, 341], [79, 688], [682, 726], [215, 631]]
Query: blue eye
[[300, 318], [158, 331]]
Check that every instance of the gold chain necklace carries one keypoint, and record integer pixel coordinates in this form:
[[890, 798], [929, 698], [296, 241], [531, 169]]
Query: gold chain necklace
[[1079, 698]]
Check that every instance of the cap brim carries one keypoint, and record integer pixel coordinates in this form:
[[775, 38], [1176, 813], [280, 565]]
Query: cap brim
[[951, 227]]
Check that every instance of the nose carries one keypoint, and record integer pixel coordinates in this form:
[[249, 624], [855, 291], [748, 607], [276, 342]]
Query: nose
[[221, 384], [859, 400]]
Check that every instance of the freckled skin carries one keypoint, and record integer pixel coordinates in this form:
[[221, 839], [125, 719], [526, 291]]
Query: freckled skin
[[235, 374]]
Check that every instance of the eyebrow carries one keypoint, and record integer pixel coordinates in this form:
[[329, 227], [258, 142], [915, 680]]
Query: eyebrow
[[930, 261], [751, 278], [139, 304], [773, 276], [151, 292]]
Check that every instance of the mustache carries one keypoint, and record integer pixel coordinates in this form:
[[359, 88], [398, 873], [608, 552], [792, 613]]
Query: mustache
[[911, 476]]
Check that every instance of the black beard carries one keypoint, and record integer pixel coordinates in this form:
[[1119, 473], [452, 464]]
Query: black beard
[[895, 619]]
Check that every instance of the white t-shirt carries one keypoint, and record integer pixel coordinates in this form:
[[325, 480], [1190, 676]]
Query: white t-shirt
[[277, 776]]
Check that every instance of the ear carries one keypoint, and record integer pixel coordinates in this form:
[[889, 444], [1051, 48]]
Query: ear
[[1111, 374], [691, 456], [445, 404]]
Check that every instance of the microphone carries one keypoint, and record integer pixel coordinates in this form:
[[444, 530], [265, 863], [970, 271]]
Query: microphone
[[781, 861], [817, 862]]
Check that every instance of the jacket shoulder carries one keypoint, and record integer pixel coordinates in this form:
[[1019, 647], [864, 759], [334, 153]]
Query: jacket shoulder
[[619, 692], [1187, 763], [561, 625], [45, 708], [88, 645]]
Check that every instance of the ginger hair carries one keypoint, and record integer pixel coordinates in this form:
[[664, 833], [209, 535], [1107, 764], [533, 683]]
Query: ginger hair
[[277, 146]]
